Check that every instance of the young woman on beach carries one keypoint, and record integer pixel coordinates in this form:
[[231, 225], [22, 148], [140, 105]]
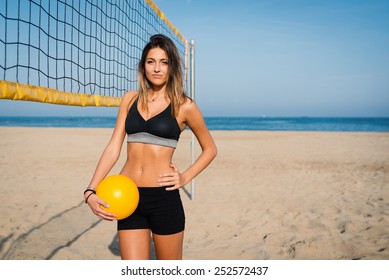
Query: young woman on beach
[[153, 118]]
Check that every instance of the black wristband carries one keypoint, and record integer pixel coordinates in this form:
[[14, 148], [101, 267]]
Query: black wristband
[[90, 190], [86, 199]]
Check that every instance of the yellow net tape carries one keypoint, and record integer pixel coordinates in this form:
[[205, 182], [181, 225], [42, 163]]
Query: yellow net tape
[[17, 91], [164, 18]]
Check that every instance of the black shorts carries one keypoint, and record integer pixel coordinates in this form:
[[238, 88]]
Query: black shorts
[[159, 210]]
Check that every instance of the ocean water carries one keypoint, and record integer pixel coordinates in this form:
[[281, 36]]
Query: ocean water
[[299, 124], [222, 123]]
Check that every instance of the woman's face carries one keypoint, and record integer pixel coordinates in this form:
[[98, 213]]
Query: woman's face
[[157, 67]]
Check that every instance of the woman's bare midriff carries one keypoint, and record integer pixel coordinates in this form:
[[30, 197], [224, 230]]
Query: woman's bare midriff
[[145, 162]]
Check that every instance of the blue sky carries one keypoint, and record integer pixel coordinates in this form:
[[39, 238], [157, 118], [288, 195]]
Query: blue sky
[[277, 58]]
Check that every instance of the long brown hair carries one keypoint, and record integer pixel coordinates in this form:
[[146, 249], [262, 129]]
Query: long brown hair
[[174, 85]]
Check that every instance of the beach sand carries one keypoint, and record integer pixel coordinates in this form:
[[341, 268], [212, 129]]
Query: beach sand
[[267, 195]]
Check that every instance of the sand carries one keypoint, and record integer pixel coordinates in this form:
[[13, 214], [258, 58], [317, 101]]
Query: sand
[[267, 195]]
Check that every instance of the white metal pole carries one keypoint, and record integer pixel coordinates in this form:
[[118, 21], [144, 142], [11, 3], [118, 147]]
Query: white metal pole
[[192, 92]]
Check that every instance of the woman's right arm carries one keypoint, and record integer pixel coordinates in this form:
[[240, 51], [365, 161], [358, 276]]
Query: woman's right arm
[[109, 158]]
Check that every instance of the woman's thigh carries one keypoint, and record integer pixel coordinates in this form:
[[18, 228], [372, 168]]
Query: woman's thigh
[[134, 244], [169, 247]]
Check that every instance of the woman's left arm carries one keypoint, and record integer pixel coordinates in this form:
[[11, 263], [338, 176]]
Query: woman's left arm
[[194, 119]]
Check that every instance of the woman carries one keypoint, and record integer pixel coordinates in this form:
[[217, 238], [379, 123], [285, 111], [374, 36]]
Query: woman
[[153, 118]]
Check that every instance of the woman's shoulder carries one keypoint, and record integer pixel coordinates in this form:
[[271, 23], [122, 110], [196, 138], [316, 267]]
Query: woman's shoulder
[[188, 104], [129, 97], [188, 108]]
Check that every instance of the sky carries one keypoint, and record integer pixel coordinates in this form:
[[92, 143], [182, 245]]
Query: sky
[[276, 58]]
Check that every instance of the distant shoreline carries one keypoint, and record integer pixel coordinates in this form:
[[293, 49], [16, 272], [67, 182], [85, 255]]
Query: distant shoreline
[[338, 124]]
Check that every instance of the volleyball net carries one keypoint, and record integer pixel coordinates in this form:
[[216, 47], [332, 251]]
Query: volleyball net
[[81, 52], [78, 52]]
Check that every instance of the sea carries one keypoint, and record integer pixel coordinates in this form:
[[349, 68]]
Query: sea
[[346, 124]]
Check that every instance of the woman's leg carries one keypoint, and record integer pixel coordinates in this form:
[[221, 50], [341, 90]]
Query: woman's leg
[[134, 244], [169, 247]]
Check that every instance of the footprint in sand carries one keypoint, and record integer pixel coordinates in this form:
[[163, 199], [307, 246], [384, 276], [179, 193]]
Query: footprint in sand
[[342, 227]]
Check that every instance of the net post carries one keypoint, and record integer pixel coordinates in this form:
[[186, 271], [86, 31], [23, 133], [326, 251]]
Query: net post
[[192, 95]]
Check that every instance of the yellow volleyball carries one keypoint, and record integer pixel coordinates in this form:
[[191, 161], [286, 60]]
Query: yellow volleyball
[[121, 194]]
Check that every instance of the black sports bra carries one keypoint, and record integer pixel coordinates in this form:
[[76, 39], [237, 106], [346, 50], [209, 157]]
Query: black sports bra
[[162, 129]]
